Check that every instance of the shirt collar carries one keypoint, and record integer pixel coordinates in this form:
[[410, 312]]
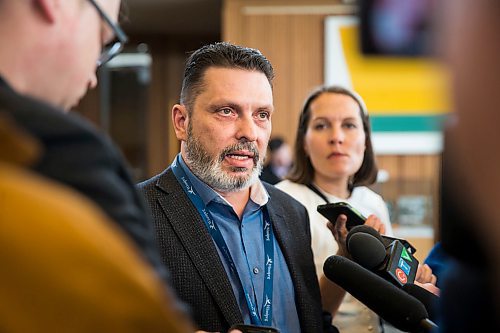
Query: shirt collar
[[258, 193]]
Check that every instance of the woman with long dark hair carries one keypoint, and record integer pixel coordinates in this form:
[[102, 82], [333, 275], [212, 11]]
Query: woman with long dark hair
[[334, 161]]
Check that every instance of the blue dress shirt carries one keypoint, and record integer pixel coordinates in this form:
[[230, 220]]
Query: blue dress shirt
[[244, 239]]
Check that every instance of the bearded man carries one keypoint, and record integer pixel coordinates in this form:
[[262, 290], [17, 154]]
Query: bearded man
[[238, 249]]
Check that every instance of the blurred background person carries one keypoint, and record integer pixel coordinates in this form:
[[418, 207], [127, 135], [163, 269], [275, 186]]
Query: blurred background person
[[279, 161]]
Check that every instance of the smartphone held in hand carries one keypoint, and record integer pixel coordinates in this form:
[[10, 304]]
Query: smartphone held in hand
[[332, 211]]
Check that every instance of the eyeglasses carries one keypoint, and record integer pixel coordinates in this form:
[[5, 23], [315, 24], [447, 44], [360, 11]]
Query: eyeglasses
[[111, 49]]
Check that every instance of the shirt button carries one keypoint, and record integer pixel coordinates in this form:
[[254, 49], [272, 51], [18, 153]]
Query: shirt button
[[370, 328], [255, 270]]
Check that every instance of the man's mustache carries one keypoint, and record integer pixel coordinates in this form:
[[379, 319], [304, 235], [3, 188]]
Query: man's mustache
[[248, 146]]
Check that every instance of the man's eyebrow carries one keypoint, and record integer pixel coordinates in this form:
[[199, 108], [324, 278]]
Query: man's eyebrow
[[219, 104], [269, 108], [226, 103]]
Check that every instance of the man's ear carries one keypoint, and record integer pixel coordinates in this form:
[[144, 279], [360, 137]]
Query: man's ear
[[47, 9], [180, 119]]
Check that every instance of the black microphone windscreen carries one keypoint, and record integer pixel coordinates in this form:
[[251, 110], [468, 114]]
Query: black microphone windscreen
[[366, 230], [428, 299], [403, 311], [366, 250]]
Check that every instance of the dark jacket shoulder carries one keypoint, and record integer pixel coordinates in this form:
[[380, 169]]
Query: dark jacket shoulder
[[76, 154]]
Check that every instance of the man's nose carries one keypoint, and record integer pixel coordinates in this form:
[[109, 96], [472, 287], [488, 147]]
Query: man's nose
[[247, 129]]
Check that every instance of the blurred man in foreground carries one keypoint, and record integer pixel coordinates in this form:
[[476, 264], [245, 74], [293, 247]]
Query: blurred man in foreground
[[49, 55], [65, 266]]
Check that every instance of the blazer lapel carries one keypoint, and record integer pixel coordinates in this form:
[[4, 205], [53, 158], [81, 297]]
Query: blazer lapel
[[283, 233], [282, 227], [198, 243]]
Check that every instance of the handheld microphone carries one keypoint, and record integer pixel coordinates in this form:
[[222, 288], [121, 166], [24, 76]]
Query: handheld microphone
[[371, 255], [388, 257], [395, 306]]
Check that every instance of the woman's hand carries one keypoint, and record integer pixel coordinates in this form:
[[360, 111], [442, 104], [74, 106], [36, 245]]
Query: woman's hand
[[424, 275], [374, 222], [339, 232], [425, 279]]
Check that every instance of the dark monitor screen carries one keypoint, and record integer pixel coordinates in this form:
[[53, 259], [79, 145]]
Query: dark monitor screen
[[396, 27]]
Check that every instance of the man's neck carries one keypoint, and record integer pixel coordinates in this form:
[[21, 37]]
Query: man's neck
[[237, 199]]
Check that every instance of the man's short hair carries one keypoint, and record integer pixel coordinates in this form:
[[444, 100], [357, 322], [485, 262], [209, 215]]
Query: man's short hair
[[221, 55]]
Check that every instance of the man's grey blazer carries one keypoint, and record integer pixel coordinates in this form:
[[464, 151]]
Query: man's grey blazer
[[197, 273]]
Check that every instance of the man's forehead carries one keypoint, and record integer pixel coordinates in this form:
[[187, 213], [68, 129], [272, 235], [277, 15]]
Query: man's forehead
[[229, 72], [226, 80], [214, 89]]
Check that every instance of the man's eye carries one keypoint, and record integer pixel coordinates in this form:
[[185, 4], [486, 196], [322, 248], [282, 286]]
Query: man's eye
[[226, 111], [264, 115]]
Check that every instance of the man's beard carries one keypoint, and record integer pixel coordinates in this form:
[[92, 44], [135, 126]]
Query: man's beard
[[209, 169]]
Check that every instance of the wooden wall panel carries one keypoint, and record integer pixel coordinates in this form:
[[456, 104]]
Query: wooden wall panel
[[156, 122], [412, 175], [174, 74], [306, 70], [165, 90], [388, 163]]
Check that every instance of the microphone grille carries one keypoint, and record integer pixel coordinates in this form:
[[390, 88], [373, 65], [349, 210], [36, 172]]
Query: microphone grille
[[366, 250]]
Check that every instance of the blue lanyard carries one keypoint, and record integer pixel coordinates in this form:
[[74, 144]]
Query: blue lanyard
[[266, 316]]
